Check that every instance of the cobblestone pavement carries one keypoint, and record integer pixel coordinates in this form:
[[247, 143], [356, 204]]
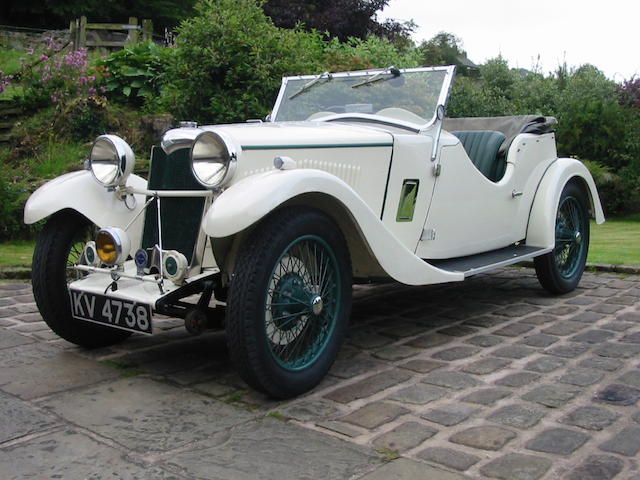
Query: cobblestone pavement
[[491, 378]]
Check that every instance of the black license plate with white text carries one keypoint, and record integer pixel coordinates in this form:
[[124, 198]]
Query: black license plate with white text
[[112, 312]]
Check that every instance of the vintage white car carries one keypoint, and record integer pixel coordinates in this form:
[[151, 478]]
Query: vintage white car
[[262, 227]]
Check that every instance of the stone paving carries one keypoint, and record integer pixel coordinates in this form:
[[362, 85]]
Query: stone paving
[[490, 378]]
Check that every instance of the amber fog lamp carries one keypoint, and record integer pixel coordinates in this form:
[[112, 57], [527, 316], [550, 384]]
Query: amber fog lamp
[[111, 160], [113, 246], [213, 159]]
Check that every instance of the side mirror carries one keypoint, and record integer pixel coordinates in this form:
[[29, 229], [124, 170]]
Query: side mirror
[[440, 112]]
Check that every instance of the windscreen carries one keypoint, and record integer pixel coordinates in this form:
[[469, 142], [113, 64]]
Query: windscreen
[[417, 92]]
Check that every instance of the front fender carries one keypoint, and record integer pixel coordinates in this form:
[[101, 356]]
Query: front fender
[[542, 219], [251, 199], [80, 192]]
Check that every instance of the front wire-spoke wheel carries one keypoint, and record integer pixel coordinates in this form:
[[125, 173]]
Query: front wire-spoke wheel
[[560, 270], [58, 248], [301, 305], [289, 302]]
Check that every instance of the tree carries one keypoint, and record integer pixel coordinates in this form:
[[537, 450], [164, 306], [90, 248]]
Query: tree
[[339, 18], [446, 49]]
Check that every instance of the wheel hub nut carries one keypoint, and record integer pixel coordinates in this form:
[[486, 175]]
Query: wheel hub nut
[[316, 305], [577, 238]]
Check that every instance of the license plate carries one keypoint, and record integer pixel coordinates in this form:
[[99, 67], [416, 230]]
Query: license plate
[[113, 312]]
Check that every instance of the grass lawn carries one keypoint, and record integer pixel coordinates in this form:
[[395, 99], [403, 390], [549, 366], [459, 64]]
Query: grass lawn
[[617, 241], [16, 253]]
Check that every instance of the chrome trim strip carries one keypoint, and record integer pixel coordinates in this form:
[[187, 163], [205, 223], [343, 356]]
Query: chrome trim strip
[[107, 271], [178, 138], [169, 193]]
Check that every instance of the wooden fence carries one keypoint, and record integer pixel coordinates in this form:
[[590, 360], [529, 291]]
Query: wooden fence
[[84, 34]]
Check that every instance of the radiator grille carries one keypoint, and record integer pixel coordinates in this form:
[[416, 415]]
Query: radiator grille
[[180, 217]]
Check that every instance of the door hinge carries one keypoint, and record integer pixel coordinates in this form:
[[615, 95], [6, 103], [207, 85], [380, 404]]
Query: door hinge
[[428, 234], [437, 169]]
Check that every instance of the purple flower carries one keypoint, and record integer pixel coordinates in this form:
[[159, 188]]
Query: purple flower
[[43, 57]]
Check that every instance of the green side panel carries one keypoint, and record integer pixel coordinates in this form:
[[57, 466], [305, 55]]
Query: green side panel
[[180, 217]]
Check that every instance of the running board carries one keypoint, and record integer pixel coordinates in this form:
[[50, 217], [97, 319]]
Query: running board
[[482, 262]]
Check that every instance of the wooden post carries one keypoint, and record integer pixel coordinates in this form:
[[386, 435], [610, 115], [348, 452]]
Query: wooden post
[[82, 34], [147, 30], [132, 37], [73, 29]]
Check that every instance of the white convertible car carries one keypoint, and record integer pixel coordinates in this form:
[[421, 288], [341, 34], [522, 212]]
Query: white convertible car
[[261, 228]]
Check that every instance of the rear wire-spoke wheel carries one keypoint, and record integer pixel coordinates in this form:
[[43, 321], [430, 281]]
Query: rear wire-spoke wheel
[[58, 248], [560, 270], [289, 302]]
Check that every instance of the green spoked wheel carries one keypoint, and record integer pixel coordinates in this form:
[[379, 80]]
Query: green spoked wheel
[[289, 302], [560, 270], [301, 305]]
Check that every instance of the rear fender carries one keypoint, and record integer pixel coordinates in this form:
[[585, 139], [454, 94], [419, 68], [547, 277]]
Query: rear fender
[[542, 219], [247, 202], [80, 192]]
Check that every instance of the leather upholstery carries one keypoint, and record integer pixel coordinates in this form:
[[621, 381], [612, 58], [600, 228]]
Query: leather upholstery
[[510, 126], [482, 147]]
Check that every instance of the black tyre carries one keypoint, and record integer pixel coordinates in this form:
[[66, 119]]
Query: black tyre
[[59, 245], [289, 302], [560, 271]]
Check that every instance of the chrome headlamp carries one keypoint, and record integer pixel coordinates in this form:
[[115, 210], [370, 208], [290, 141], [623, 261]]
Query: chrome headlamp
[[112, 245], [111, 160], [213, 159]]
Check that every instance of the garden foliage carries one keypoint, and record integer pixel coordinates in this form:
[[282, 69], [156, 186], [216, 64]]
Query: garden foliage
[[230, 60], [134, 73]]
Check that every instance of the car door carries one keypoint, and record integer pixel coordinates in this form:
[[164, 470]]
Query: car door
[[471, 214], [468, 213]]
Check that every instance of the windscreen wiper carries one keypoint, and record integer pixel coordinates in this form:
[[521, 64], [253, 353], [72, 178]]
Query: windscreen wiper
[[378, 76], [310, 84]]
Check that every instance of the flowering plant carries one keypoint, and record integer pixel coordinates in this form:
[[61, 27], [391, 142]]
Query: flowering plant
[[55, 76], [5, 81]]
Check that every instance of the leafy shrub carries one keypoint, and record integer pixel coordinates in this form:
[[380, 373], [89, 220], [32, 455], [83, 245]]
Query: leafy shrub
[[134, 73], [229, 60], [373, 52], [619, 193], [591, 123], [14, 192]]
